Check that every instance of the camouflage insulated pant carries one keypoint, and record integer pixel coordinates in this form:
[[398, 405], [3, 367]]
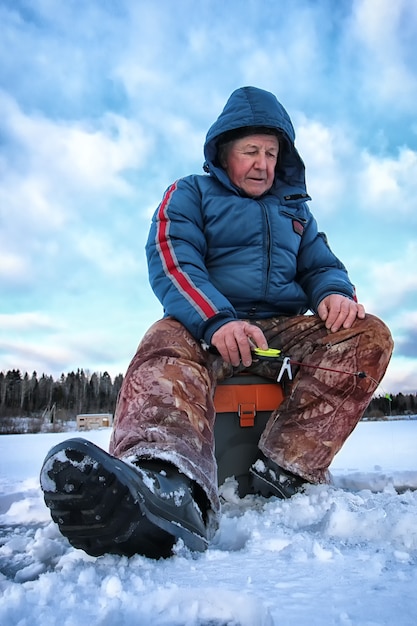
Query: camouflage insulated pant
[[165, 409]]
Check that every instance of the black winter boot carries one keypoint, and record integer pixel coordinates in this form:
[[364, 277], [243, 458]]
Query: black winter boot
[[104, 505], [269, 479]]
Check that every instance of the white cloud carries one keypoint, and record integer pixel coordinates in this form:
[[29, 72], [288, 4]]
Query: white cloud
[[401, 376], [287, 58], [408, 319], [389, 183], [102, 251], [392, 282], [97, 119], [91, 154], [404, 324], [105, 341], [325, 150], [383, 32], [338, 167], [48, 356], [29, 202], [100, 156], [13, 267], [59, 177], [27, 321]]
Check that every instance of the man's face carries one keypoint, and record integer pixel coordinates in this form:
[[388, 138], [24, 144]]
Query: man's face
[[250, 163]]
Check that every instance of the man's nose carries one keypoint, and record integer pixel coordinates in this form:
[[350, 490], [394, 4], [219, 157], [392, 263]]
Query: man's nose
[[260, 161]]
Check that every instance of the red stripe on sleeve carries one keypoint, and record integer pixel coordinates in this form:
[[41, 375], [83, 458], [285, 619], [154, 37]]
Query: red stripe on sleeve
[[170, 262]]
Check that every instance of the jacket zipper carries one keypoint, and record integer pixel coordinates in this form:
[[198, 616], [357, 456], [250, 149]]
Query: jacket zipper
[[268, 247]]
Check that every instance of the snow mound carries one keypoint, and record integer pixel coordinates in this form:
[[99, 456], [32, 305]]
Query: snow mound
[[344, 554]]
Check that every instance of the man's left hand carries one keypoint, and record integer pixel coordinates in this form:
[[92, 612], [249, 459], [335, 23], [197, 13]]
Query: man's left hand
[[339, 312]]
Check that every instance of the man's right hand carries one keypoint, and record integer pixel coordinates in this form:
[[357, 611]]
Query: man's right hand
[[235, 341]]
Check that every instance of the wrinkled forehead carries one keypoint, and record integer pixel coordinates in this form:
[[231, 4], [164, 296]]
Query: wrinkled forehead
[[259, 140]]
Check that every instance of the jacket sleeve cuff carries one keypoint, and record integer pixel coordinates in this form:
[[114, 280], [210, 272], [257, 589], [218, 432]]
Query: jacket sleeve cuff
[[214, 323], [330, 292]]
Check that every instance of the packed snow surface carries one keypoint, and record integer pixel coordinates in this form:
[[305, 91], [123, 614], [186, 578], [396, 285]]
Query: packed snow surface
[[337, 555]]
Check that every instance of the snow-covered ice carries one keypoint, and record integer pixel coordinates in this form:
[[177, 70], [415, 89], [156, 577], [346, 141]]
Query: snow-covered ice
[[341, 555]]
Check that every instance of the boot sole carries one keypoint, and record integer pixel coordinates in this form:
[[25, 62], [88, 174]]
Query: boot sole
[[102, 505], [268, 488]]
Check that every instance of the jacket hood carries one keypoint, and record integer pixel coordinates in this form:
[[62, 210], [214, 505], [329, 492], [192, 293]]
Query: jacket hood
[[250, 106]]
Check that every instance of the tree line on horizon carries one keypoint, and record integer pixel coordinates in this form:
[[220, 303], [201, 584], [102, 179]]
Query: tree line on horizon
[[62, 399], [73, 393]]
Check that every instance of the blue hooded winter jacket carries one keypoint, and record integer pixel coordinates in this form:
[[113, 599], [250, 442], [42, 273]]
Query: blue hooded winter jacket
[[216, 255]]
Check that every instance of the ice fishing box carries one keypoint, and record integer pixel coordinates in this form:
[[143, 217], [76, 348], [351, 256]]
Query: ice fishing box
[[243, 405]]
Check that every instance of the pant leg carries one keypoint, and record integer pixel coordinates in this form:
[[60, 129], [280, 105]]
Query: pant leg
[[323, 407], [165, 408]]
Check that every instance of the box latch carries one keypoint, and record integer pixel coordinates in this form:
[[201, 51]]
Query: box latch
[[247, 412]]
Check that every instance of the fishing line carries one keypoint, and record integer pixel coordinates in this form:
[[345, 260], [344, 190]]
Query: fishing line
[[275, 354]]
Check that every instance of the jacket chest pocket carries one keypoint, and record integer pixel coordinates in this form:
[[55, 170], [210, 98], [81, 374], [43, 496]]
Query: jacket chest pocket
[[297, 223]]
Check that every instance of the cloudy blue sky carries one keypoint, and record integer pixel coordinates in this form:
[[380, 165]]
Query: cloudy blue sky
[[103, 103]]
